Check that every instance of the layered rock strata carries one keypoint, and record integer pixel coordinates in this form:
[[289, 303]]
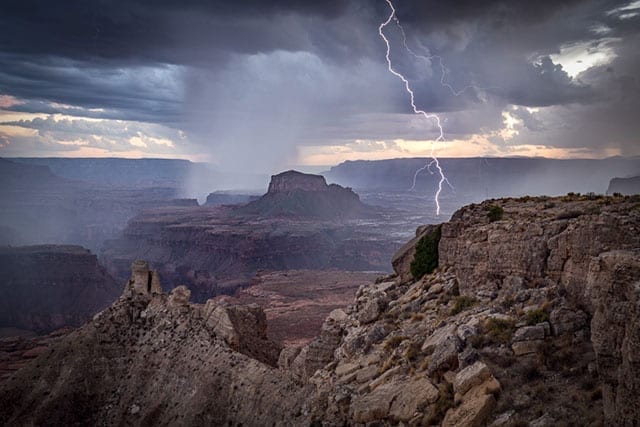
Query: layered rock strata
[[48, 287], [529, 319]]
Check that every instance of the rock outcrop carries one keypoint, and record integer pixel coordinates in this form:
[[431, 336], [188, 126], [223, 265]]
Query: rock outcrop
[[153, 358], [228, 198], [627, 186], [300, 195], [298, 224], [530, 319], [613, 284], [291, 180], [48, 287]]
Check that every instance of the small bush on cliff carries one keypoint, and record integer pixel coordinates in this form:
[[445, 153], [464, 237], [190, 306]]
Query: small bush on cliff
[[461, 303], [534, 317], [499, 330], [495, 213], [426, 257], [393, 342]]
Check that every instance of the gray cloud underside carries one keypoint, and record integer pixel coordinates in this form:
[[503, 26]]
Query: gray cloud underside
[[291, 72]]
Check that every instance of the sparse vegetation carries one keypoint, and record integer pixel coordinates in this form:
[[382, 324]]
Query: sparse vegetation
[[412, 351], [529, 371], [416, 317], [426, 257], [461, 303], [388, 364], [394, 342], [499, 330], [425, 364], [593, 196], [534, 317], [593, 210], [495, 213], [443, 404], [507, 302]]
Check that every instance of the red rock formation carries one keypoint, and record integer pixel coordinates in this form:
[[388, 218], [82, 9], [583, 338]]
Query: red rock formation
[[296, 181]]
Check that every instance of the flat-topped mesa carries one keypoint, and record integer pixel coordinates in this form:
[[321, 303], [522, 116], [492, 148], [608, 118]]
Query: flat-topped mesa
[[297, 194], [296, 181]]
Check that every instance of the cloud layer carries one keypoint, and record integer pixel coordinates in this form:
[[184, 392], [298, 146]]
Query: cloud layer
[[260, 84]]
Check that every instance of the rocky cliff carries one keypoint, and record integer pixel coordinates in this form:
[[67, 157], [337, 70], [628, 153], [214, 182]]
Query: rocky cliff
[[155, 359], [527, 315], [301, 223], [479, 178], [47, 287], [296, 181], [300, 195], [218, 198], [626, 186]]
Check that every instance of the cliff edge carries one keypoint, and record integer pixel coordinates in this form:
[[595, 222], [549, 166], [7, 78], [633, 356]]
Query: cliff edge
[[515, 312]]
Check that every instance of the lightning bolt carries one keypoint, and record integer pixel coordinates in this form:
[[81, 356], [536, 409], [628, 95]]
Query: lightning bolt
[[416, 110], [443, 69]]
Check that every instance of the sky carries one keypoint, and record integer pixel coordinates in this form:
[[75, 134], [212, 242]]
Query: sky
[[261, 85]]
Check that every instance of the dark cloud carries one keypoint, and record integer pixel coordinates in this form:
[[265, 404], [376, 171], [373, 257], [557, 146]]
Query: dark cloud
[[138, 93], [290, 73], [148, 30], [498, 12]]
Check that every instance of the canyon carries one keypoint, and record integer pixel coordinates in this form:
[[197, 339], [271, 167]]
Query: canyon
[[300, 223], [529, 316]]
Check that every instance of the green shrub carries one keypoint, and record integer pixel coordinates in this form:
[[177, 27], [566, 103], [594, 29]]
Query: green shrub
[[426, 258], [534, 317], [495, 213], [461, 303]]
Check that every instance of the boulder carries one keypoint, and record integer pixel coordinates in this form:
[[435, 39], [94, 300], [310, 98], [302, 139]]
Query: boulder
[[471, 376], [398, 400], [179, 296], [522, 348], [443, 346], [438, 337], [411, 397], [567, 321], [472, 412], [477, 402], [370, 311], [445, 355], [529, 333]]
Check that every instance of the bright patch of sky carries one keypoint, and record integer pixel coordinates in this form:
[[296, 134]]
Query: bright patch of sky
[[579, 57]]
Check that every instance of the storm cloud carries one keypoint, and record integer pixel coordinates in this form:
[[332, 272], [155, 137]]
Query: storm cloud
[[247, 84]]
